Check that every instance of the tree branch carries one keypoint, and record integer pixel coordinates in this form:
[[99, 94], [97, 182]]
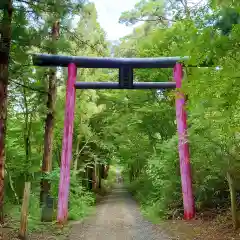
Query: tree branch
[[83, 42], [28, 87]]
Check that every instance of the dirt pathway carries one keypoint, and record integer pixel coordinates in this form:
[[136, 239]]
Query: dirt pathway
[[116, 218]]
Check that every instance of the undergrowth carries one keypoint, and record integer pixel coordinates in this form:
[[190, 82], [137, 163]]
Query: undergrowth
[[81, 202]]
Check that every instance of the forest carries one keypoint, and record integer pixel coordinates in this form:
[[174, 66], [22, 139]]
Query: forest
[[132, 129]]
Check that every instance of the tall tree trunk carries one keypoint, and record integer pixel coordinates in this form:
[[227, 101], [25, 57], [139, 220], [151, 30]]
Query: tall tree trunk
[[233, 196], [5, 42], [99, 176], [27, 132], [49, 122], [75, 164], [77, 154], [94, 176]]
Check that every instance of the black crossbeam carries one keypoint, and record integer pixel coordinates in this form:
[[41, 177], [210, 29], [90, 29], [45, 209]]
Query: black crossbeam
[[105, 62], [116, 85]]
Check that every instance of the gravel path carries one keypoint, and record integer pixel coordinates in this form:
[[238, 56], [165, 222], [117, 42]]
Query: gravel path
[[117, 218]]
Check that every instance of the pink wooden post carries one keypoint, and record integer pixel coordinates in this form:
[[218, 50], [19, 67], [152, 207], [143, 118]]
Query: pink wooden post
[[185, 167], [67, 145]]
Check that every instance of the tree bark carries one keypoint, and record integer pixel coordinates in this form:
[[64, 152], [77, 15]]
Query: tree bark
[[94, 176], [24, 211], [75, 164], [99, 176], [106, 169], [27, 131], [5, 42], [49, 122], [77, 154], [233, 196]]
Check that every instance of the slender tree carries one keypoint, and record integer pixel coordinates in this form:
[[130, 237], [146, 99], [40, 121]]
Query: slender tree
[[49, 122], [5, 42]]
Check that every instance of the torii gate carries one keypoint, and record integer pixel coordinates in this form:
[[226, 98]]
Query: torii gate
[[125, 66]]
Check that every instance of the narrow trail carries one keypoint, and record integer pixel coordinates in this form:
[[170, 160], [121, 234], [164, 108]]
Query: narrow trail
[[117, 218]]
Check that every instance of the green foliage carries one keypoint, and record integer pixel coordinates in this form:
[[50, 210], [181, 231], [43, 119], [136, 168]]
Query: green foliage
[[135, 129], [144, 9], [80, 200], [228, 17], [213, 103], [31, 32]]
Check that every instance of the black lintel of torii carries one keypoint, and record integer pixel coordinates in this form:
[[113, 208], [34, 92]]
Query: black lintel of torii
[[125, 66]]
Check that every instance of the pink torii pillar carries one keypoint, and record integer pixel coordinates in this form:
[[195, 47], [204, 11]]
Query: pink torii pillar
[[185, 167], [66, 156]]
